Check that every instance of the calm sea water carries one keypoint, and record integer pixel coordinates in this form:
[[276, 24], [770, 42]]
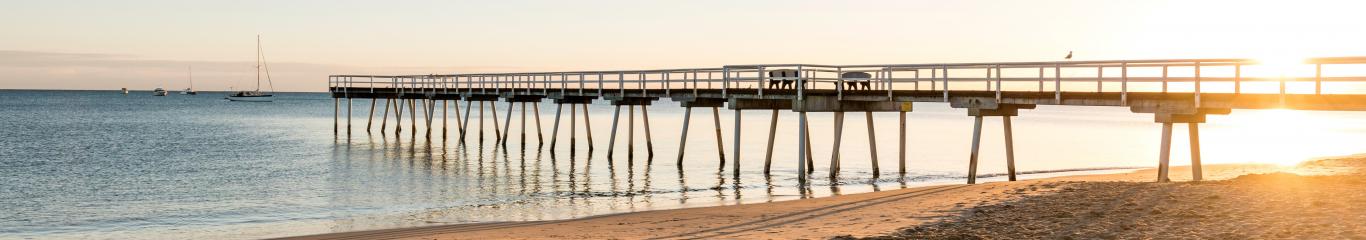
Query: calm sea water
[[99, 164]]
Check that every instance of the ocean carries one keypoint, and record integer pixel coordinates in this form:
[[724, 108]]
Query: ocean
[[100, 164]]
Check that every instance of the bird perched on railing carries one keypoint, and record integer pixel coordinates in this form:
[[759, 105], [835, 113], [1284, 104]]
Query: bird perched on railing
[[1069, 55]]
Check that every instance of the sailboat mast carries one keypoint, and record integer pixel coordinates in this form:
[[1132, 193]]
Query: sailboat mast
[[258, 62], [189, 73]]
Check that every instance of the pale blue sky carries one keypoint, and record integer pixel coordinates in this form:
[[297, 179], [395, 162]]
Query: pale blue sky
[[145, 44]]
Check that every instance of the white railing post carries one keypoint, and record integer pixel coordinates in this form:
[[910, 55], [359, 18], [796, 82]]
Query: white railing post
[[1238, 78], [1100, 79], [1124, 83], [1318, 78], [760, 74], [725, 81], [1197, 84], [946, 83], [1164, 78], [801, 84], [998, 82], [1057, 83], [839, 83], [889, 81]]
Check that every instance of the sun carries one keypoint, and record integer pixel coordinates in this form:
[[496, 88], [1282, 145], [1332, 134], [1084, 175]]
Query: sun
[[1281, 65]]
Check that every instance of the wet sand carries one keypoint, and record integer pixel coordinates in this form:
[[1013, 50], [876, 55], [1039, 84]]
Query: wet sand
[[1042, 208]]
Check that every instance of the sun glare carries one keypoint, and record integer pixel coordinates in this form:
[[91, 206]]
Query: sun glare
[[1281, 65]]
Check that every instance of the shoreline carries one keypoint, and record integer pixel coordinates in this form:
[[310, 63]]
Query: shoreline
[[861, 214]]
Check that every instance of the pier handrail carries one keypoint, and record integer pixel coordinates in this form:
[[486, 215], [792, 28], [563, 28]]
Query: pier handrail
[[1191, 74]]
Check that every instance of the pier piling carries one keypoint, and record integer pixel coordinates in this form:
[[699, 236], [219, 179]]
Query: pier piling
[[536, 110], [507, 125], [902, 144], [872, 144], [612, 135], [976, 142], [649, 141], [1165, 154], [736, 142], [371, 119], [1010, 148], [555, 129], [835, 150], [772, 132], [384, 119], [587, 127], [720, 147], [683, 136], [1196, 172]]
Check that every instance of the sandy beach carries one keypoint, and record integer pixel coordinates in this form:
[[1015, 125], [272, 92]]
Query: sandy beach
[[1236, 201]]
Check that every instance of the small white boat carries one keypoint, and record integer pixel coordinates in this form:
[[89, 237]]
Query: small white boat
[[256, 95], [159, 92]]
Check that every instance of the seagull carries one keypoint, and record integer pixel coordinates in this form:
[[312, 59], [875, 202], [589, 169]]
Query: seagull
[[1069, 55]]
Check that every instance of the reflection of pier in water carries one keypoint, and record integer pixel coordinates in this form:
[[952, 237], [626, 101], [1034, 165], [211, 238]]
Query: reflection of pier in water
[[1174, 91]]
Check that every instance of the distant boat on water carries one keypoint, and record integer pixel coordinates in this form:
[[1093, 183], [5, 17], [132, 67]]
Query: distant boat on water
[[159, 92], [189, 75], [257, 95], [125, 91]]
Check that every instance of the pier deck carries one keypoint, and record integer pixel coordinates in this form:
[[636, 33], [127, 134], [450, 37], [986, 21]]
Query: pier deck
[[1175, 91]]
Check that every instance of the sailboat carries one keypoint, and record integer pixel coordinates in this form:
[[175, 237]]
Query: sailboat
[[256, 95], [190, 75]]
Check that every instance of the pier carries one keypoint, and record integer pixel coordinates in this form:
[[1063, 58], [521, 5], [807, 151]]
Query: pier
[[1173, 91]]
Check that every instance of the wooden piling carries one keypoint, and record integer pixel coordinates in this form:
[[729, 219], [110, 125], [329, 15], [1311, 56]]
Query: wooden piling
[[872, 144], [445, 120], [587, 127], [612, 136], [336, 112], [683, 137], [736, 147], [349, 104], [803, 150], [1196, 171], [1010, 148], [573, 136], [536, 109], [649, 141], [398, 116], [507, 125], [465, 122], [806, 133], [835, 150], [370, 120], [902, 145], [772, 132], [481, 122], [523, 127], [429, 112], [1164, 156], [720, 147], [497, 132], [976, 143], [630, 133], [555, 129], [412, 116], [384, 121]]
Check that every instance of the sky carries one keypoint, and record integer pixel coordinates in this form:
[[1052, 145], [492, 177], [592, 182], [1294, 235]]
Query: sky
[[105, 45]]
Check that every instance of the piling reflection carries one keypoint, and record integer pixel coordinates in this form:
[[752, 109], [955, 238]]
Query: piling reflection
[[510, 177]]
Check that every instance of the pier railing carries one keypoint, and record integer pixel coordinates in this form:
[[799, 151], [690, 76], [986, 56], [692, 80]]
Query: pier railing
[[1193, 76]]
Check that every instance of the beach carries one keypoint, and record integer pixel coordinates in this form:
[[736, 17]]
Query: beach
[[1235, 201]]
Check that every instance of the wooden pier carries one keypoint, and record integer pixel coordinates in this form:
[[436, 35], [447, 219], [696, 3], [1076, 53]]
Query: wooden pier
[[999, 89]]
